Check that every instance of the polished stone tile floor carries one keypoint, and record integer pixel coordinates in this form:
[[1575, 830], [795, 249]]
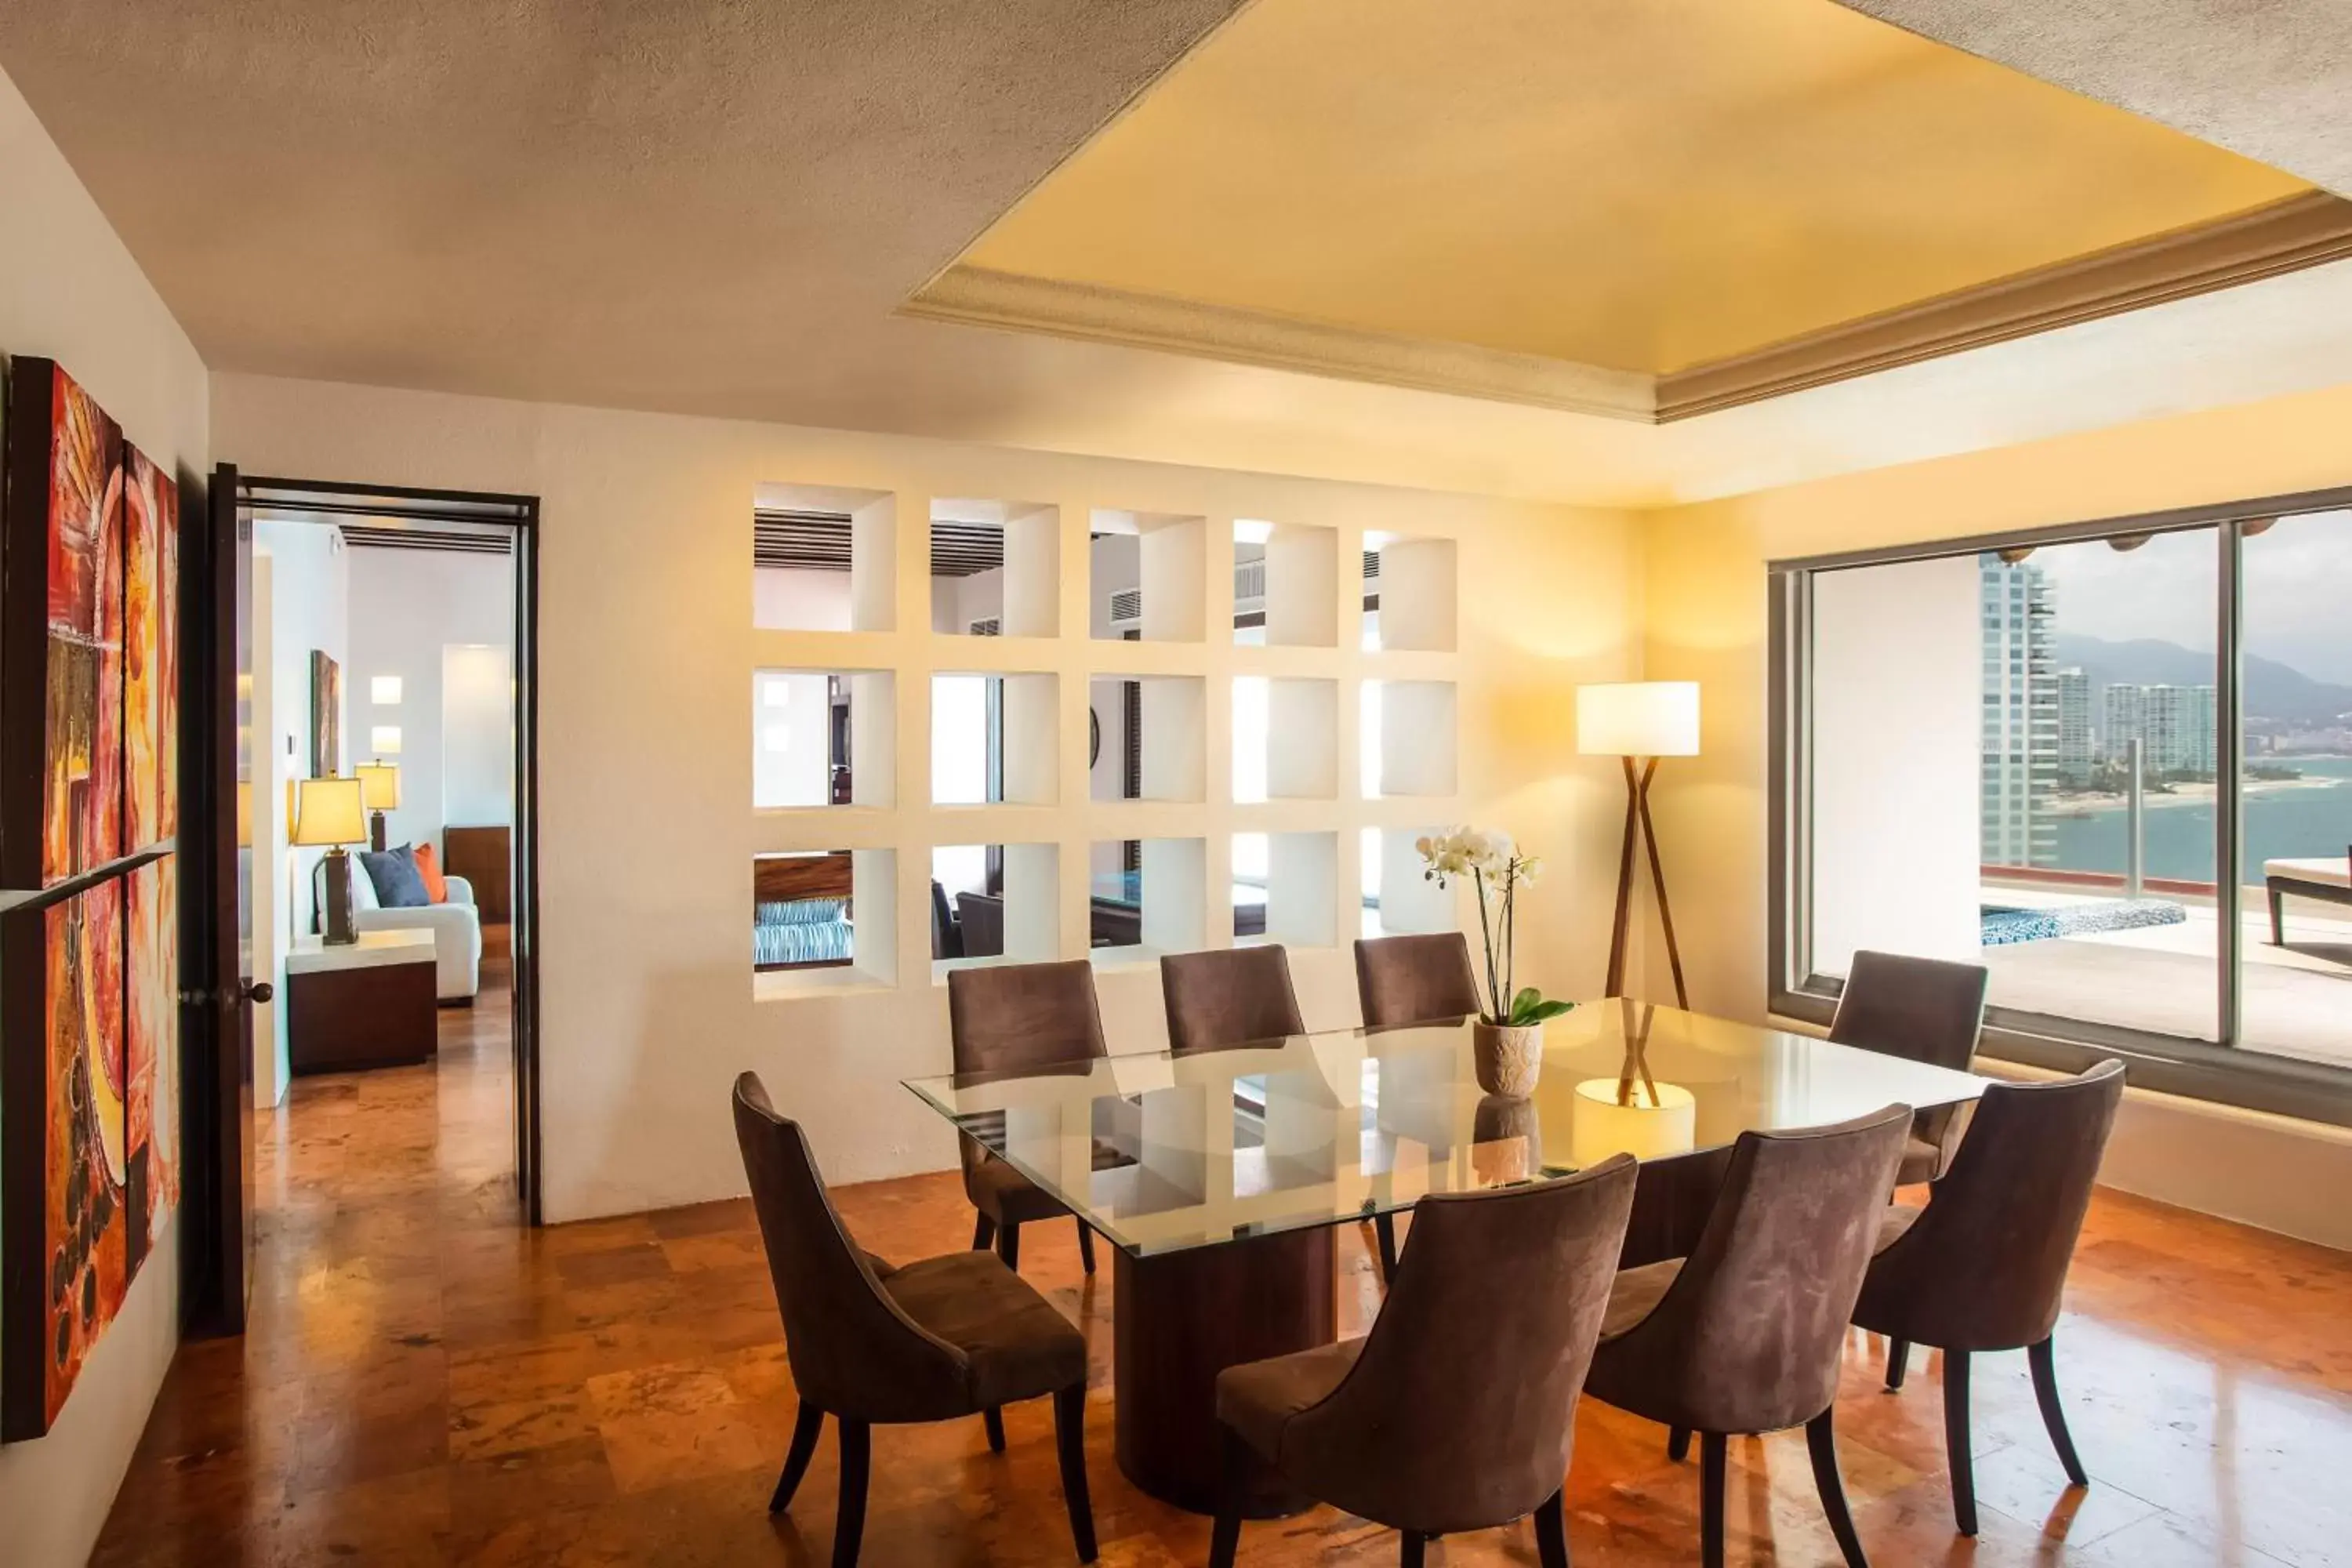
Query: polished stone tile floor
[[424, 1382]]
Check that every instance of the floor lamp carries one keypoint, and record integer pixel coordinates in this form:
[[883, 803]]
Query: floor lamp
[[1638, 722]]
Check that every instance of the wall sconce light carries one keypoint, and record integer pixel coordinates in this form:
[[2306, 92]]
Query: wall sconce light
[[383, 740], [384, 691]]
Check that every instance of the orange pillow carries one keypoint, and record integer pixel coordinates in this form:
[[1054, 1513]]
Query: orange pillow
[[436, 885]]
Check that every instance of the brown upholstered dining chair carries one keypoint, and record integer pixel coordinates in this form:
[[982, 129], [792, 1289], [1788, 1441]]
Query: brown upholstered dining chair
[[1923, 1010], [869, 1344], [1412, 980], [1981, 1266], [1228, 999], [1456, 1412], [1747, 1333], [1015, 1018]]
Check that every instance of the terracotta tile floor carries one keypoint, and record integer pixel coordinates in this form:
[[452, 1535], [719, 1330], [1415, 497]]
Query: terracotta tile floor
[[424, 1382]]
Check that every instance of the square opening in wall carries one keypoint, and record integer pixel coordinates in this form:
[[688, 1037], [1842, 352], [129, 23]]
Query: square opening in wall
[[1285, 585], [1409, 593], [1407, 743], [822, 737], [995, 568], [1285, 738], [994, 903], [1399, 898], [823, 558], [1145, 738], [993, 739], [1285, 887], [1147, 897], [1146, 576], [822, 919]]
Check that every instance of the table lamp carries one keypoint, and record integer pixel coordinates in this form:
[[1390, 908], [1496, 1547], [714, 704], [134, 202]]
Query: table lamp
[[380, 786], [1639, 720], [331, 812]]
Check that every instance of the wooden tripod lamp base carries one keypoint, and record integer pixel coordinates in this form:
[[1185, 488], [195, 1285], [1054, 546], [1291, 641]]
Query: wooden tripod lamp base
[[1634, 720]]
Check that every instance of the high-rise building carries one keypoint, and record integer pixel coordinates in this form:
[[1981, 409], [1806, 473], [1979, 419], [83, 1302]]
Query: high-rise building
[[2021, 715], [2176, 726], [2075, 754]]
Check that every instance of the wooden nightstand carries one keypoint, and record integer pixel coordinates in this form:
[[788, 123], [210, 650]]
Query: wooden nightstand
[[366, 1005]]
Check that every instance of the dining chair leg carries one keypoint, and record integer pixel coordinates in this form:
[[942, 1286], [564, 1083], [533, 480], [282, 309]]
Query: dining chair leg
[[1384, 1228], [2043, 1359], [993, 1419], [1225, 1537], [849, 1520], [1898, 1361], [1070, 1442], [1008, 1245], [1712, 1454], [1085, 1246], [1678, 1444], [1820, 1437], [1551, 1533], [983, 1233], [1411, 1545], [805, 1432], [1957, 1457]]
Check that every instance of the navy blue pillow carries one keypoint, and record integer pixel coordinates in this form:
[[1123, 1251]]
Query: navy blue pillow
[[398, 883]]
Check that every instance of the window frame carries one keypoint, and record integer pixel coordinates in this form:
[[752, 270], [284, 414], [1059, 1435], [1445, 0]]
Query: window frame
[[2221, 1071]]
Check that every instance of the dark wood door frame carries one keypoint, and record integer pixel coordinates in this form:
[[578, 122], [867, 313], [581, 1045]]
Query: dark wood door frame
[[225, 1157]]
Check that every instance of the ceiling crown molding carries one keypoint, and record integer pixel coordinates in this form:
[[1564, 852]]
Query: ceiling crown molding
[[980, 296]]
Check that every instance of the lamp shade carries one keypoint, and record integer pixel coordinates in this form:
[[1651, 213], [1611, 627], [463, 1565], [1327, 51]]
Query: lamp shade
[[1638, 719], [329, 810], [380, 785]]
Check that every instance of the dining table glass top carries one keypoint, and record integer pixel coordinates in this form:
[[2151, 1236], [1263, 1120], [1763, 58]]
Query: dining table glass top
[[1161, 1153]]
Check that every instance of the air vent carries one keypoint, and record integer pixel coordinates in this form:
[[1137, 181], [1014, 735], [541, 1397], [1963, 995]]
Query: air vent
[[1372, 565], [487, 542], [1126, 605], [993, 627], [1249, 580], [819, 542]]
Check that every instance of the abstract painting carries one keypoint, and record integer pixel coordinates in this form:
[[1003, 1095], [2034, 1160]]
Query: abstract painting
[[151, 1055], [151, 652], [66, 1143], [326, 716], [65, 575]]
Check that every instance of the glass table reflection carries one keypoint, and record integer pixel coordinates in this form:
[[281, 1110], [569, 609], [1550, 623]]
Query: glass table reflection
[[1220, 1176]]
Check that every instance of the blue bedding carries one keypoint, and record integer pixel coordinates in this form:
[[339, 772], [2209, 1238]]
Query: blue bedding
[[801, 931]]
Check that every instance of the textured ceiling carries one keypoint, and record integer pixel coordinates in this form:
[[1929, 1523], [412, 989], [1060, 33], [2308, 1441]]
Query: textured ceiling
[[1639, 184], [2270, 79]]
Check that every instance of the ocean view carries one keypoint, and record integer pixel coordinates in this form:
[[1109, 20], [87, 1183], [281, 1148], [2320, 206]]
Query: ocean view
[[2303, 820]]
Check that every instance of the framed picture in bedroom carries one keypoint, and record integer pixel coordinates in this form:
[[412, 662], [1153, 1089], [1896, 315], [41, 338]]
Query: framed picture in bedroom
[[151, 652], [62, 765], [70, 1184], [326, 716]]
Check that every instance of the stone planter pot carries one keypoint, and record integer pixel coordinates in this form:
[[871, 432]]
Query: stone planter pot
[[1508, 1060]]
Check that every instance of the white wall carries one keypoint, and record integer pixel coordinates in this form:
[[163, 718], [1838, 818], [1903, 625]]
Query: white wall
[[791, 738], [71, 291], [310, 612], [269, 826], [793, 599], [407, 608], [647, 833], [1898, 713], [477, 735]]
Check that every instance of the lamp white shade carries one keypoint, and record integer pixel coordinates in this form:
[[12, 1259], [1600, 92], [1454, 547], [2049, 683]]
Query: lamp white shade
[[329, 810], [380, 785], [1663, 1119], [384, 690], [1638, 719], [383, 740]]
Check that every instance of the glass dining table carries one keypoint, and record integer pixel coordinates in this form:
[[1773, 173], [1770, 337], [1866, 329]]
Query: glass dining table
[[1220, 1176]]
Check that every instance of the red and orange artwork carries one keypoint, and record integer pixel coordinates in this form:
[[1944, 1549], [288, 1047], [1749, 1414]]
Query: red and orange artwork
[[85, 1227], [151, 1089], [82, 808], [151, 632]]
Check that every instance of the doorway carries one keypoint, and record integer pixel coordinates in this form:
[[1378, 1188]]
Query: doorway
[[374, 650]]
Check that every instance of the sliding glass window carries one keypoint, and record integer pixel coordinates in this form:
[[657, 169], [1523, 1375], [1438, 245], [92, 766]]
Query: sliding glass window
[[2112, 763]]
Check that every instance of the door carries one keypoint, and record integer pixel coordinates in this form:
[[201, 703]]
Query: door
[[216, 913]]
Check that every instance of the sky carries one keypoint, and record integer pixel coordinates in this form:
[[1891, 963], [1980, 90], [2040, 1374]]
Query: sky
[[2298, 590]]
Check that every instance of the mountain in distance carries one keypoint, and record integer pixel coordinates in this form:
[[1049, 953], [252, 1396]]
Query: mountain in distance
[[2273, 690]]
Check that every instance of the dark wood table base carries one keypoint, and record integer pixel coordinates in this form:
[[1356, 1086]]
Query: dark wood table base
[[1184, 1316]]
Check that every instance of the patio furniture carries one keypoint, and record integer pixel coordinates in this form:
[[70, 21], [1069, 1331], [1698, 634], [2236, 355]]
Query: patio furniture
[[2330, 881]]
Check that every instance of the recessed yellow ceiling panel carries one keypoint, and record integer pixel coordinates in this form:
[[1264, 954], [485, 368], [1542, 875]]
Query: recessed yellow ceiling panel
[[1643, 184]]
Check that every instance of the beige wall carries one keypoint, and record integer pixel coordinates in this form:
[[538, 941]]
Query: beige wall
[[646, 769], [70, 291], [1706, 620]]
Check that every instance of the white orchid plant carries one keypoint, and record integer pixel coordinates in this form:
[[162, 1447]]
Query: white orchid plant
[[1497, 870]]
